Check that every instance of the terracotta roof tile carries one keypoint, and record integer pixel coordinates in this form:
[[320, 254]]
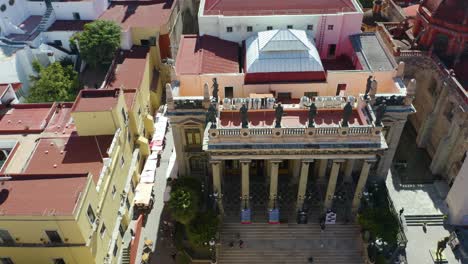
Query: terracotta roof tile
[[207, 54], [129, 69]]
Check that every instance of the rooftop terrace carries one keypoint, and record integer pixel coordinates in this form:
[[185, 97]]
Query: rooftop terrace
[[143, 14], [25, 118], [41, 194], [128, 68], [90, 100], [276, 7]]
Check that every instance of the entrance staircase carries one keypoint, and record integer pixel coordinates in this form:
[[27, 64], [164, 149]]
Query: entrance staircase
[[290, 243], [419, 220], [44, 24]]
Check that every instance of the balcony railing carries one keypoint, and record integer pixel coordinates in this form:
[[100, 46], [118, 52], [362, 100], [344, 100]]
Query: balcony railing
[[367, 131]]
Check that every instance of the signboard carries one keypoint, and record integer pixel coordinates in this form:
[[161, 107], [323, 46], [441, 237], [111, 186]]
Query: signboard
[[245, 216], [273, 216]]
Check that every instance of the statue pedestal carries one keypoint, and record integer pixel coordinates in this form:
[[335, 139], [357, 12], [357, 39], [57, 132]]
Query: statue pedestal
[[438, 259]]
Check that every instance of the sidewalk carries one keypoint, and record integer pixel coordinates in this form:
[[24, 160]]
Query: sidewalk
[[150, 230]]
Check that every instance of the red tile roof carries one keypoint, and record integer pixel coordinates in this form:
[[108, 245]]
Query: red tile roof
[[24, 118], [206, 54], [55, 194], [3, 88], [449, 11], [411, 11], [61, 121], [144, 14], [90, 100], [73, 154], [129, 69], [276, 7], [68, 25], [291, 118]]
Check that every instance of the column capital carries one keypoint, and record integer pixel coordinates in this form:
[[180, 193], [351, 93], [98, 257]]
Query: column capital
[[276, 161], [215, 162], [307, 160], [370, 160], [245, 161]]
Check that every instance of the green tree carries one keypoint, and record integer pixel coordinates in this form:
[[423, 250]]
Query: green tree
[[98, 42], [184, 204], [203, 228], [53, 83]]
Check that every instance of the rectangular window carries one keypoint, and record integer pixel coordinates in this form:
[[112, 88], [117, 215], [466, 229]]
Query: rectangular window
[[229, 92], [132, 186], [124, 115], [103, 230], [144, 42], [269, 28], [6, 261], [284, 96], [310, 27], [5, 237], [289, 26], [127, 203], [340, 89], [121, 230], [129, 136], [114, 190], [76, 16], [249, 28], [330, 27], [91, 215], [229, 29], [58, 261], [116, 248], [193, 136], [58, 42], [54, 236], [122, 161], [331, 50], [311, 94]]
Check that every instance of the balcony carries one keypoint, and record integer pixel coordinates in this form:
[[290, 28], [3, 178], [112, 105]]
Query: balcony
[[193, 148]]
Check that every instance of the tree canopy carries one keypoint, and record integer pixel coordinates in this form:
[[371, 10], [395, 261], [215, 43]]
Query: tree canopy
[[98, 42], [53, 83], [184, 204], [203, 228]]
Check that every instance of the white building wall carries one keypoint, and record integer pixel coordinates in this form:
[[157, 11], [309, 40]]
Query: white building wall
[[13, 16], [344, 25], [457, 198], [64, 36], [126, 40]]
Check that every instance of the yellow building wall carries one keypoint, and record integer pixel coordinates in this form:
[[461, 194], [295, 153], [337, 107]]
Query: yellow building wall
[[94, 123], [45, 255], [146, 33]]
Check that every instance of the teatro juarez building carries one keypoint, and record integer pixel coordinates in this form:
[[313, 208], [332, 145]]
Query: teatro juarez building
[[274, 129]]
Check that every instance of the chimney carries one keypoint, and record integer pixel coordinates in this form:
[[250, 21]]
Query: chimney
[[377, 7]]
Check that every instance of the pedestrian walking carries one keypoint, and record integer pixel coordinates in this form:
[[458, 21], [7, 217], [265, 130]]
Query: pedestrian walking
[[310, 260], [231, 244], [241, 243], [401, 211], [322, 226], [174, 256]]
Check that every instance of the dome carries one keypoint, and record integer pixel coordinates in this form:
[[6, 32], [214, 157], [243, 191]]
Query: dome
[[450, 11]]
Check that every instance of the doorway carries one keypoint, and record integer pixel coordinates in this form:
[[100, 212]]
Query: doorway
[[228, 92], [331, 50]]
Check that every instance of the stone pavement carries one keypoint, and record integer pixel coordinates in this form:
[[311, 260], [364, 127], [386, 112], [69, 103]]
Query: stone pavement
[[419, 244], [416, 199], [151, 229]]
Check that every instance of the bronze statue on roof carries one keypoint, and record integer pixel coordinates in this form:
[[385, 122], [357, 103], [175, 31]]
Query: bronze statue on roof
[[279, 115], [379, 113], [312, 114], [215, 89], [244, 116], [347, 113], [211, 115]]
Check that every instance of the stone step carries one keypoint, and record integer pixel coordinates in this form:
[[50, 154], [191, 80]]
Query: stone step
[[419, 220]]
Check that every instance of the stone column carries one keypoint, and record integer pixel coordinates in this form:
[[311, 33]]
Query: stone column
[[348, 170], [178, 135], [301, 193], [360, 185], [332, 184], [444, 148], [217, 189], [245, 165], [322, 169], [393, 138], [273, 182], [426, 127]]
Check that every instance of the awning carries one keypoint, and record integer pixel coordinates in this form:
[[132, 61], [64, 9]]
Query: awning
[[143, 194]]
